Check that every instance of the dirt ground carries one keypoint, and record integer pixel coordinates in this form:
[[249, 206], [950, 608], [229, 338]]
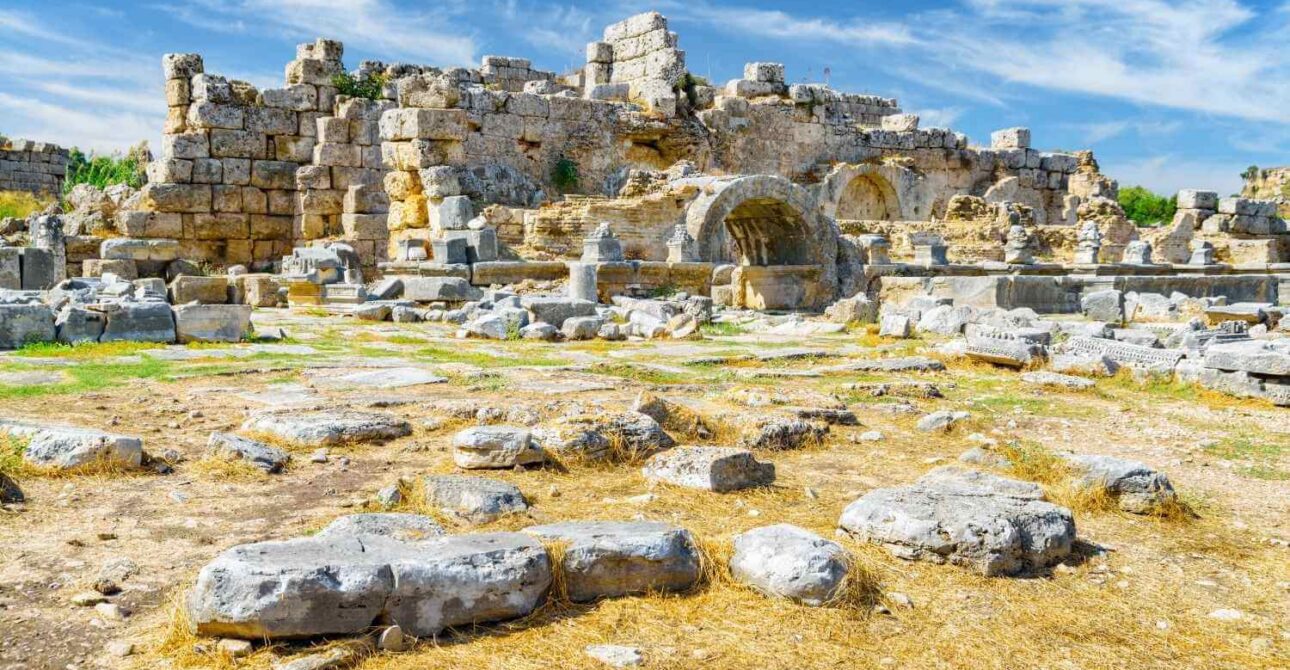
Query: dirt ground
[[1140, 593]]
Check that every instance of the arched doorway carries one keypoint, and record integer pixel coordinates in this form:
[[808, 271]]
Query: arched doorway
[[768, 226], [868, 198], [869, 192]]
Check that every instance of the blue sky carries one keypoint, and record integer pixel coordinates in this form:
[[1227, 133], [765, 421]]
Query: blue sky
[[1170, 94]]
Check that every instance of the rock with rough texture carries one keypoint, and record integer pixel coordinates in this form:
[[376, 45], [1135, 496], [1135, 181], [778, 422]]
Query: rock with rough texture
[[24, 324], [781, 433], [942, 420], [64, 447], [258, 454], [1136, 487], [616, 656], [1107, 305], [327, 427], [718, 469], [895, 325], [790, 562], [556, 310], [10, 492], [606, 559], [945, 320], [393, 525], [495, 447], [993, 525], [341, 585], [1059, 380], [474, 499], [582, 327], [139, 322]]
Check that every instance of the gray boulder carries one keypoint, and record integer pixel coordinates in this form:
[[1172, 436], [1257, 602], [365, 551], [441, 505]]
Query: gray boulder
[[555, 310], [435, 289], [23, 324], [77, 325], [1107, 305], [322, 428], [718, 469], [1136, 487], [539, 331], [789, 562], [942, 420], [781, 433], [582, 327], [373, 311], [474, 499], [341, 585], [259, 454], [990, 524], [495, 447], [393, 525], [945, 320], [64, 447], [606, 559]]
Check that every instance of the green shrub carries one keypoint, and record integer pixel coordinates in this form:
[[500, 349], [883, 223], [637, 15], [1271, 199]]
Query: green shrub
[[564, 174], [369, 87], [687, 83], [1146, 208], [103, 171]]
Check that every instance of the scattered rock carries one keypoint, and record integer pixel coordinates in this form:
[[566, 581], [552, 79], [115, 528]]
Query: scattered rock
[[789, 562], [616, 656], [259, 454], [1136, 487], [65, 447], [605, 559], [942, 420], [327, 427], [1055, 379], [484, 447], [474, 499], [718, 469]]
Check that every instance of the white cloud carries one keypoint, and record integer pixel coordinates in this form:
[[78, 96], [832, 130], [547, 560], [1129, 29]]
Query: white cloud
[[89, 128], [427, 36], [1095, 133], [938, 118]]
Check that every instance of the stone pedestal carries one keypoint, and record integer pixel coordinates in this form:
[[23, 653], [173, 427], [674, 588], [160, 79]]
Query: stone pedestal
[[1202, 253], [602, 247], [582, 281]]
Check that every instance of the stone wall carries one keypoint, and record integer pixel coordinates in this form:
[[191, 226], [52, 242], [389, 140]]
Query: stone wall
[[36, 167], [637, 59]]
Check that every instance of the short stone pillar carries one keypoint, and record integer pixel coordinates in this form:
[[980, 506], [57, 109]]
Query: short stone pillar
[[47, 234], [1089, 244], [877, 249], [601, 246], [1017, 248], [450, 250], [929, 249], [1202, 253], [1137, 252], [682, 248], [582, 281]]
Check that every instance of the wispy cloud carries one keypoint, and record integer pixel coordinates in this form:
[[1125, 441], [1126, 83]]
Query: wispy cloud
[[1095, 133], [430, 36], [1169, 173]]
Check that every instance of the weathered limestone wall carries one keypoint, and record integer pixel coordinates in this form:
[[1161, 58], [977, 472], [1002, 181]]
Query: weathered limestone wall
[[36, 167], [637, 59], [1270, 184]]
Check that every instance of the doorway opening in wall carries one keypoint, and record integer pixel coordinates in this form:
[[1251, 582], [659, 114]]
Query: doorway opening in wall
[[868, 197], [767, 232]]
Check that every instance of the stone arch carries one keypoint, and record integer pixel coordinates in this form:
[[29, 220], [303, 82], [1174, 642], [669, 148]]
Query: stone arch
[[766, 221], [868, 191]]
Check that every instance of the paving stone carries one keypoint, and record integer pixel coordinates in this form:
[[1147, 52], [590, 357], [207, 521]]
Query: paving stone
[[327, 427], [474, 499]]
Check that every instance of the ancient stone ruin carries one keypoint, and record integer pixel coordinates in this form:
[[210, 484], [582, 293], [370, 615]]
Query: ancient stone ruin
[[478, 363]]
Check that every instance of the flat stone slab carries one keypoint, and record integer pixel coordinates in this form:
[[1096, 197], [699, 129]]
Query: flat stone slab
[[902, 364], [383, 378], [403, 527], [32, 378], [561, 386], [606, 559], [342, 585], [1059, 380], [64, 447], [474, 499], [789, 562], [327, 427], [258, 454], [718, 469], [1256, 357], [484, 447], [282, 395], [990, 524]]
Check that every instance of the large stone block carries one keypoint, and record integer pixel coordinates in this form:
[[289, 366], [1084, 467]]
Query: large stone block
[[139, 322], [435, 289], [719, 469], [64, 447], [339, 585], [607, 559], [189, 198], [40, 269], [139, 250], [23, 324], [10, 268], [555, 310], [495, 447], [212, 323], [206, 290], [77, 325], [425, 124], [475, 500]]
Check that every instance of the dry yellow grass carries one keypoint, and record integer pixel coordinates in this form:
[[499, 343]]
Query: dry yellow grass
[[228, 469]]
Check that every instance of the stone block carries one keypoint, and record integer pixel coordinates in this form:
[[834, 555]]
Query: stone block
[[364, 226], [40, 269], [425, 124], [139, 322], [10, 268], [436, 289], [718, 469], [24, 324], [453, 213], [608, 559], [273, 174], [1194, 199], [140, 249], [188, 198], [205, 290], [76, 325], [495, 447], [450, 251], [764, 72], [186, 145], [212, 322], [790, 562], [1010, 138], [97, 267], [481, 245], [181, 66]]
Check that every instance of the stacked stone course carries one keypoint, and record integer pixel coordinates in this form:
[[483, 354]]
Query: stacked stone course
[[35, 167]]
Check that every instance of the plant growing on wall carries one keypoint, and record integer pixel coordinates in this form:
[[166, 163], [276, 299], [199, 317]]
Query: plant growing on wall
[[564, 174], [687, 83], [369, 87]]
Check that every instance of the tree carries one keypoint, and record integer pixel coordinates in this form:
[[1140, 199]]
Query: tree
[[1146, 208], [1251, 173]]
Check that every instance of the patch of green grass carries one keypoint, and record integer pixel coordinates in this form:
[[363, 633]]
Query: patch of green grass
[[1260, 453], [86, 351], [21, 204], [93, 376], [643, 375], [722, 329], [11, 450], [485, 359]]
